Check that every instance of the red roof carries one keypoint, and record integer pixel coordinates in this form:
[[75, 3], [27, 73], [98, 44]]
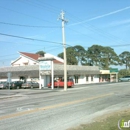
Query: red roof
[[31, 55], [36, 56]]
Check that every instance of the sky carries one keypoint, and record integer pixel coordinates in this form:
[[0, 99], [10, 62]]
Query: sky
[[35, 25]]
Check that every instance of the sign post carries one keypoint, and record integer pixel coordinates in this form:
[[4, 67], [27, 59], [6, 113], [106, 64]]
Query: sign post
[[47, 65], [9, 80]]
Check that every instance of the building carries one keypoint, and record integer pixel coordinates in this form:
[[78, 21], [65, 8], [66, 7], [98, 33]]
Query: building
[[109, 75], [32, 59], [26, 68]]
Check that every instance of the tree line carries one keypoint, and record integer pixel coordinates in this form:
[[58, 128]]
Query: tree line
[[96, 55]]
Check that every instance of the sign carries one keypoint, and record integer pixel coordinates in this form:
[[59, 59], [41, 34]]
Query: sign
[[45, 65], [113, 70]]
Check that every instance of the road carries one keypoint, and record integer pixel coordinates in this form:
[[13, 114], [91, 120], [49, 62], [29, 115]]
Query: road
[[60, 110]]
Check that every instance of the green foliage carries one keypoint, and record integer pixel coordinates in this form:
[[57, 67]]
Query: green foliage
[[123, 72], [40, 53], [70, 54], [80, 53], [96, 55], [102, 56], [71, 59], [125, 59]]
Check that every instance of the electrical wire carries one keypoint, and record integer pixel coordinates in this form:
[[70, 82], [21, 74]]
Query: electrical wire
[[29, 25], [92, 27], [40, 5], [48, 5], [26, 15], [32, 39], [97, 30]]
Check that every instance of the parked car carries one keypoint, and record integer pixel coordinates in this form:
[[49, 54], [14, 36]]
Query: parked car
[[16, 84], [60, 83], [125, 78], [4, 85], [30, 84]]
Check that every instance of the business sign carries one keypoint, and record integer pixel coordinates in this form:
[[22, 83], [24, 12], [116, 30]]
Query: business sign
[[45, 65], [112, 70]]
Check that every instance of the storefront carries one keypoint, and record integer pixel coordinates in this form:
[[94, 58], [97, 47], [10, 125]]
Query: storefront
[[80, 74], [109, 75]]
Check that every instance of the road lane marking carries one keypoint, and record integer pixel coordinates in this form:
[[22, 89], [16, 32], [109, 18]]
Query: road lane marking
[[25, 108], [53, 106]]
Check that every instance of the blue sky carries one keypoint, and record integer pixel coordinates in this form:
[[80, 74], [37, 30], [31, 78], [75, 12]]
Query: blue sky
[[102, 22]]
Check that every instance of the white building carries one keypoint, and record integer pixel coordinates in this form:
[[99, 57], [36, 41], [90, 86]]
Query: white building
[[26, 67]]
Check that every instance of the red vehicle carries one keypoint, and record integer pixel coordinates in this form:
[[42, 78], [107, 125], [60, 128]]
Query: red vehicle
[[60, 83]]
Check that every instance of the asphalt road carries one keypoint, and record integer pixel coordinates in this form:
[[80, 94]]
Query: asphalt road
[[59, 110]]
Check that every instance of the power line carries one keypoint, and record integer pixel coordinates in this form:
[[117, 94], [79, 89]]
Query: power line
[[25, 14], [29, 38], [97, 30], [50, 6], [20, 43], [49, 49], [39, 4], [92, 27], [32, 39], [30, 25], [50, 41]]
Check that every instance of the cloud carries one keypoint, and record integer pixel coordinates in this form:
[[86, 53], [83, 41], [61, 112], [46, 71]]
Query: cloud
[[121, 22], [101, 16]]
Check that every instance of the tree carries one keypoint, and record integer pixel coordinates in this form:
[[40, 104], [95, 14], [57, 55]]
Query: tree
[[125, 58], [123, 72], [93, 55], [70, 55], [41, 53], [80, 53], [109, 57], [102, 56]]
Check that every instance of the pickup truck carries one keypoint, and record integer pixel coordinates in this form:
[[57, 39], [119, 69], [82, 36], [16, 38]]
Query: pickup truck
[[60, 83]]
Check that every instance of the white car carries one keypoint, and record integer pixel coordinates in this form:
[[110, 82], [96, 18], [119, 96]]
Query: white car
[[125, 78]]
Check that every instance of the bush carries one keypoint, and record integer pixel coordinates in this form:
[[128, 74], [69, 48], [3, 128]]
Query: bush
[[123, 72]]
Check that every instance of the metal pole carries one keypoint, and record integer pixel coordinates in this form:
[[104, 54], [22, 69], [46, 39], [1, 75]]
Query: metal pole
[[64, 50], [39, 78], [52, 75]]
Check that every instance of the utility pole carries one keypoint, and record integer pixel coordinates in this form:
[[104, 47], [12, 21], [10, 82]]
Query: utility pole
[[64, 48]]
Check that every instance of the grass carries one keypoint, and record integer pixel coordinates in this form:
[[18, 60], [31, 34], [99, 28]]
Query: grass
[[106, 122]]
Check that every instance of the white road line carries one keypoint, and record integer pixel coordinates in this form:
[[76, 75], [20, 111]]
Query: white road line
[[25, 108]]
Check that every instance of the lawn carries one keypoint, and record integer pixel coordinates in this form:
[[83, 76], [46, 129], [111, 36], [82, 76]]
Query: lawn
[[107, 122]]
